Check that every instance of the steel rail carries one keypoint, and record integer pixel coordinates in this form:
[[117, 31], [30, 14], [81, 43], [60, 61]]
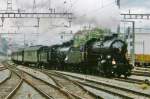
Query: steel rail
[[15, 90]]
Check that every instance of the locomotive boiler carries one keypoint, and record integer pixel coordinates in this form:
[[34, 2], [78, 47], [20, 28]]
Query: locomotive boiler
[[107, 56]]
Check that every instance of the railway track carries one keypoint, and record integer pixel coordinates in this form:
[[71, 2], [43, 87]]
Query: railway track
[[94, 85], [142, 68], [2, 68], [135, 79], [140, 73], [9, 86], [16, 86], [66, 81], [116, 90], [49, 89], [72, 86], [131, 80]]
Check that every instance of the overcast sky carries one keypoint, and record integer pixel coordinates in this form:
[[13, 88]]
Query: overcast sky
[[101, 13], [135, 3]]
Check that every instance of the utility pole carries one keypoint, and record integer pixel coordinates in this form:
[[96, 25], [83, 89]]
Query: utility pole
[[143, 47], [9, 5], [2, 21], [118, 3], [34, 6], [118, 27], [132, 44]]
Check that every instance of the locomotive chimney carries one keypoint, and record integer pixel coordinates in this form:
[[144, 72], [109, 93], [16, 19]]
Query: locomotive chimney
[[115, 35]]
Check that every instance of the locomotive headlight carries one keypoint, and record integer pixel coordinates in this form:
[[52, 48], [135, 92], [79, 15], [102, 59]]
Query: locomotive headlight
[[66, 58], [113, 62], [108, 56], [103, 61]]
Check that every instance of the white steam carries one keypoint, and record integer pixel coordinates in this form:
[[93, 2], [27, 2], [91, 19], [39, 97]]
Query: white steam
[[101, 13]]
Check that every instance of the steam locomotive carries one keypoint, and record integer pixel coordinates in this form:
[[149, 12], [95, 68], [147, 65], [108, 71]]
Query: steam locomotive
[[105, 56]]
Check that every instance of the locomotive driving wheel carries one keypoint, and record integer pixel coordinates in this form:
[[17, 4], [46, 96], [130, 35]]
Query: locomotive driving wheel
[[128, 73]]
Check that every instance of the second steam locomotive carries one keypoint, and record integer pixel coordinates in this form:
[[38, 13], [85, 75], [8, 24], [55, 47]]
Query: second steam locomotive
[[104, 55]]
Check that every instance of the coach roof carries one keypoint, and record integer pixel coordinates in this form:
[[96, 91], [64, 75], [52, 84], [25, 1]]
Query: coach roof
[[37, 47]]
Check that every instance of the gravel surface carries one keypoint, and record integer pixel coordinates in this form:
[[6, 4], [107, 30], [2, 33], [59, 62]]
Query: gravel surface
[[37, 74], [4, 74], [27, 92]]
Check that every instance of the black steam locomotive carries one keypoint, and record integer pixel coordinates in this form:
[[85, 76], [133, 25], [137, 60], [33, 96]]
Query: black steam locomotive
[[105, 56]]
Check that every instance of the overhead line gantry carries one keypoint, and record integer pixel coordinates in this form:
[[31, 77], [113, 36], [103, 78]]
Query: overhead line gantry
[[36, 15], [135, 16]]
